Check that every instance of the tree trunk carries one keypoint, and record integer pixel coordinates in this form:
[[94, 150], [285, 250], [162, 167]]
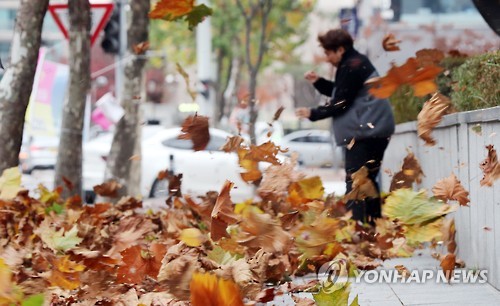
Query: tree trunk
[[17, 82], [126, 140], [69, 161]]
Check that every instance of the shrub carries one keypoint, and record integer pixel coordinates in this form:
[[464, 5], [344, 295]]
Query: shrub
[[476, 82]]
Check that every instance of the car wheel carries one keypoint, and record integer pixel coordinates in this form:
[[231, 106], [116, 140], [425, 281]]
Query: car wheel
[[159, 189]]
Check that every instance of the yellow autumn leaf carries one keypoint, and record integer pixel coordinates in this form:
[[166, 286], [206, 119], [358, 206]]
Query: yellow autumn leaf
[[10, 183], [192, 237], [209, 290]]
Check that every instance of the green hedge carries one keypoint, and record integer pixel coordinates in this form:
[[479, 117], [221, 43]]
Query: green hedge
[[472, 83], [476, 82]]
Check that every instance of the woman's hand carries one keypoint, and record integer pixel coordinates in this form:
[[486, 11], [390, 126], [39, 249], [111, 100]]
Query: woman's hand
[[311, 76], [303, 112]]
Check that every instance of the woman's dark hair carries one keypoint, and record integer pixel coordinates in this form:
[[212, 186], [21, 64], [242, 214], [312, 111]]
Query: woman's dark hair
[[334, 39]]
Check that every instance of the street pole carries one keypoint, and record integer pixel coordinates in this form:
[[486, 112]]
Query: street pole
[[205, 64]]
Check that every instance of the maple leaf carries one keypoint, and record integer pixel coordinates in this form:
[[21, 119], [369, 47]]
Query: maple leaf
[[185, 76], [448, 265], [450, 188], [390, 43], [232, 144], [490, 167], [265, 152], [313, 239], [430, 116], [171, 9], [209, 290], [128, 233], [223, 213], [262, 231], [10, 183], [60, 241], [305, 190], [362, 186], [410, 172], [196, 128], [421, 79], [411, 207], [108, 189], [65, 273], [139, 263]]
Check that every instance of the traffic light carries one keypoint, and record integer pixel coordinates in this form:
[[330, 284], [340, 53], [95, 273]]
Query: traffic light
[[111, 40]]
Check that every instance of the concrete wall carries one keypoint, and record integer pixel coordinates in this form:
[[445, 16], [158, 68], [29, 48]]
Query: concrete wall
[[459, 150]]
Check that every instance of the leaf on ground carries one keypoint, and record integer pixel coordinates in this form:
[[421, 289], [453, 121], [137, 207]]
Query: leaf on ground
[[59, 241], [65, 273], [10, 183], [421, 79], [430, 116], [138, 263], [301, 301], [207, 287], [128, 232], [490, 167], [411, 172], [177, 271], [34, 300], [196, 128], [390, 43], [448, 265], [185, 76], [108, 189], [339, 297], [9, 292], [362, 186], [263, 231], [411, 207], [192, 237], [223, 213], [450, 188]]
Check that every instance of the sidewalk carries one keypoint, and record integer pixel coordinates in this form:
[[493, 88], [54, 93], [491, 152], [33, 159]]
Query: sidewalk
[[428, 293]]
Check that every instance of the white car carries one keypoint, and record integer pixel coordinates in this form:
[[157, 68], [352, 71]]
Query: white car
[[315, 148], [161, 150], [38, 152]]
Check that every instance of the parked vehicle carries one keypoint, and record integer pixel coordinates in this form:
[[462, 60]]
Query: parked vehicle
[[316, 148], [161, 150], [38, 152]]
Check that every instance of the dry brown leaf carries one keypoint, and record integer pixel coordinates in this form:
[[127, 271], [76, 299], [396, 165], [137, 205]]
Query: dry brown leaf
[[232, 144], [300, 301], [223, 213], [278, 112], [430, 116], [108, 189], [390, 43], [403, 270], [428, 57], [421, 79], [490, 167], [448, 265], [263, 231], [141, 48], [410, 172], [196, 128], [362, 186], [208, 289], [351, 144], [450, 188], [138, 263]]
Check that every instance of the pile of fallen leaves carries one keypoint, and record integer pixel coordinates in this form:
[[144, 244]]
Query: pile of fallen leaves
[[199, 249]]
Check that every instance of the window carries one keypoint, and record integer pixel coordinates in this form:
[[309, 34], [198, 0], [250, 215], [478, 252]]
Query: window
[[7, 19], [300, 139]]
